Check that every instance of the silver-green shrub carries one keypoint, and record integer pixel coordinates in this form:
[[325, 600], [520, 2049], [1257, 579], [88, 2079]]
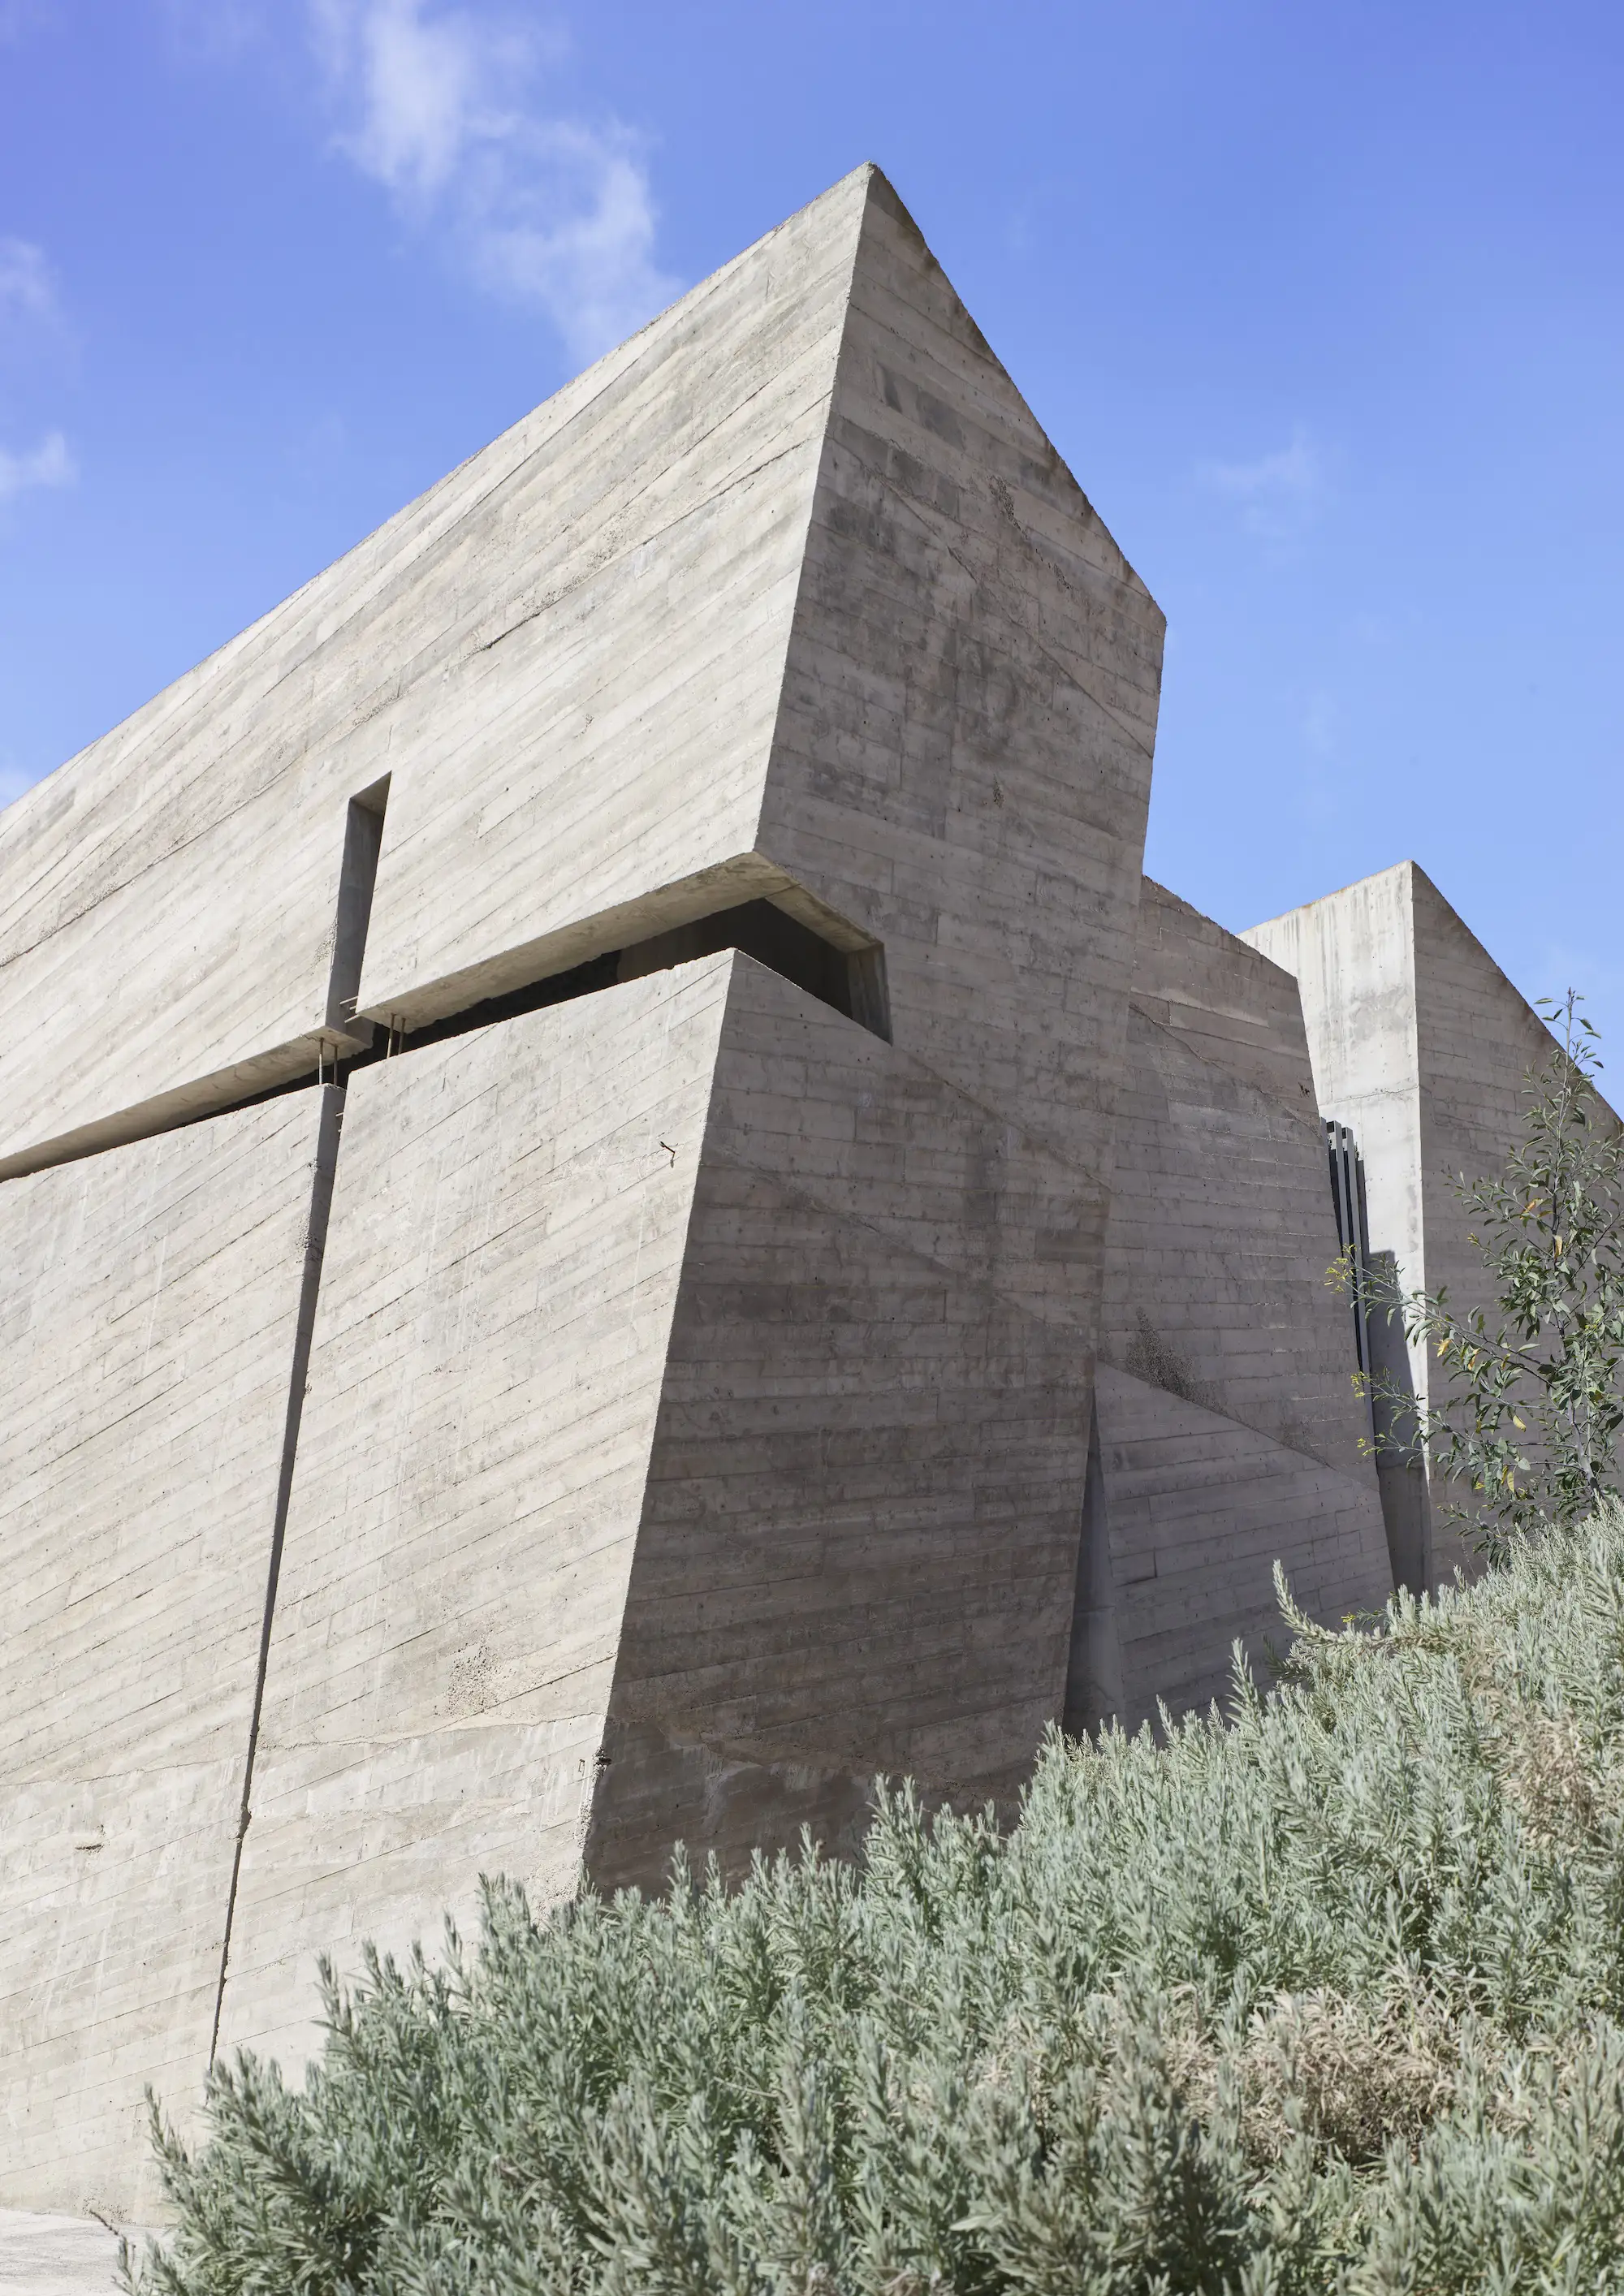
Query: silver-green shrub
[[1529, 1422], [1325, 1996]]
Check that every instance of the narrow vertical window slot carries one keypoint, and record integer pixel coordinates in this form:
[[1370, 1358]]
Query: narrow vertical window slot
[[357, 876]]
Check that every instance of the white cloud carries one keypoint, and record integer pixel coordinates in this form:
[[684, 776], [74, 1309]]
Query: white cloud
[[578, 238], [50, 464], [28, 290], [439, 110], [1278, 493], [28, 308]]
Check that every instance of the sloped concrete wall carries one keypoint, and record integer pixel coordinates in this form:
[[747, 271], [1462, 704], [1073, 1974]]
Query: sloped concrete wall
[[1229, 1430], [703, 1392], [567, 654], [1197, 1508], [1207, 988], [1222, 1232], [508, 1228], [963, 757], [860, 1540], [150, 1302]]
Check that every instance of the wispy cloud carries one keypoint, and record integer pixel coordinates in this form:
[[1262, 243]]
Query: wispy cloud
[[48, 464], [1279, 493], [29, 308], [28, 287], [439, 107]]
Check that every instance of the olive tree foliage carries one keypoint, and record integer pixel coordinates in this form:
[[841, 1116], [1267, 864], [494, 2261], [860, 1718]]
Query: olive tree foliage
[[1326, 1996], [1527, 1428]]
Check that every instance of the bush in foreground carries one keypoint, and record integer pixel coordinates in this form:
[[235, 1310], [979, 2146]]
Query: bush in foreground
[[1328, 1996]]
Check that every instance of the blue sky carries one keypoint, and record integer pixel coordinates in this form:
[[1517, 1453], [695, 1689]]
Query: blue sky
[[1322, 306]]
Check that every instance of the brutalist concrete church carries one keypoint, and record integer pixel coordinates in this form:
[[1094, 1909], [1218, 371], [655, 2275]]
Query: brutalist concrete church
[[619, 1207]]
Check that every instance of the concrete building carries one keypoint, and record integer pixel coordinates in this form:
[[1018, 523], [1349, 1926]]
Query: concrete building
[[619, 1208]]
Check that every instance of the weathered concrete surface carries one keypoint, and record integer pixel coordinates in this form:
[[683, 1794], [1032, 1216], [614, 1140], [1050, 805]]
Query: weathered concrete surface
[[696, 1425], [858, 1543], [1197, 1509], [508, 1228], [1422, 1045], [1231, 1007], [149, 1301], [567, 655], [1220, 1234], [57, 2256]]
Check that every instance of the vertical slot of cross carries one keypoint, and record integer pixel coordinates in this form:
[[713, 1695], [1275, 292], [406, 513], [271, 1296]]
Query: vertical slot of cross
[[357, 876]]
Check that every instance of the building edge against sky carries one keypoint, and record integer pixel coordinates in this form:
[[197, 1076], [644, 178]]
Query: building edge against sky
[[622, 1208]]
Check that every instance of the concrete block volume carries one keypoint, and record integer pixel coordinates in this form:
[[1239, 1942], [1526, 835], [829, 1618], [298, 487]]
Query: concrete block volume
[[619, 1209]]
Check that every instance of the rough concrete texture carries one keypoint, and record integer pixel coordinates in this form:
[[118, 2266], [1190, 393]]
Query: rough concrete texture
[[784, 585], [963, 756], [685, 1384], [567, 656], [1235, 1436], [1197, 1508], [1422, 1045], [857, 1549], [699, 1411], [42, 2255], [508, 1230], [149, 1305], [1222, 1227]]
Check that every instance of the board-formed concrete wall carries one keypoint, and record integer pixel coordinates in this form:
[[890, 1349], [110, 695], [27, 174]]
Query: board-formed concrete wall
[[860, 1540], [702, 836], [1196, 1509], [567, 657], [1229, 1431], [509, 1225], [689, 1435], [1422, 1047], [150, 1307]]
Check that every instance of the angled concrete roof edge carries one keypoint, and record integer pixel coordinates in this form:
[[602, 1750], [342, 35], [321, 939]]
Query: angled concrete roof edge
[[1336, 893], [602, 594], [38, 792]]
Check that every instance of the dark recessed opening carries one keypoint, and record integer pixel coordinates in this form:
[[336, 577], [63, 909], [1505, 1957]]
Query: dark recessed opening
[[357, 876], [851, 981]]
